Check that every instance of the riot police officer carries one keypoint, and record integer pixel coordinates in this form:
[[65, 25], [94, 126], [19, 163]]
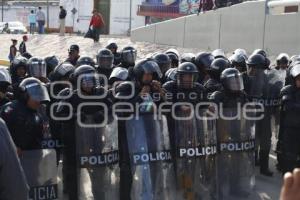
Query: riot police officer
[[60, 79], [62, 72], [21, 116], [146, 76], [232, 90], [145, 91], [29, 129], [256, 84], [282, 61], [203, 61], [87, 92], [37, 68], [188, 134], [85, 60], [217, 67], [164, 63], [218, 53], [241, 52], [264, 54], [51, 63], [186, 83], [171, 74], [128, 58], [254, 77], [5, 82], [113, 47], [289, 124], [18, 70], [184, 88], [187, 57], [174, 56], [119, 74], [235, 163], [105, 60], [238, 61]]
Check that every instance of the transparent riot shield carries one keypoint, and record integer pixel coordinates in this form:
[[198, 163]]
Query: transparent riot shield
[[275, 82], [196, 148], [254, 84], [236, 143], [41, 173], [98, 156], [151, 160], [50, 140]]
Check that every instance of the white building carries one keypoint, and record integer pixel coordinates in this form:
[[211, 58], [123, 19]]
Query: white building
[[118, 21], [119, 16]]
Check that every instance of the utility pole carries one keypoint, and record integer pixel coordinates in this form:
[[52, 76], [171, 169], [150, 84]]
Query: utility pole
[[2, 9], [130, 13], [48, 14]]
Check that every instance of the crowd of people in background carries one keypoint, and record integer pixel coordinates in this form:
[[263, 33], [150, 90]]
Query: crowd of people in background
[[206, 5], [37, 22]]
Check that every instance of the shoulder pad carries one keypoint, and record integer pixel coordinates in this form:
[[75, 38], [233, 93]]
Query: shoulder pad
[[199, 86], [216, 97], [124, 89], [124, 84], [8, 108], [286, 92], [169, 85], [64, 93]]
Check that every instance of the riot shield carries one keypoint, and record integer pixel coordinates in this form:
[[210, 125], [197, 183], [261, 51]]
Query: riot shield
[[41, 173], [50, 140], [196, 148], [150, 157], [272, 101], [236, 143], [97, 164], [254, 84]]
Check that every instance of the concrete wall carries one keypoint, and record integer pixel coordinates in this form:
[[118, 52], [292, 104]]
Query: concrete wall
[[283, 34], [168, 32], [146, 34], [240, 26], [202, 31]]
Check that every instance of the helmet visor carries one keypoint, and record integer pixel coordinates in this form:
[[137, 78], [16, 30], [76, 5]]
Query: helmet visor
[[129, 56], [234, 82], [38, 69], [186, 80], [37, 92], [106, 62], [89, 82]]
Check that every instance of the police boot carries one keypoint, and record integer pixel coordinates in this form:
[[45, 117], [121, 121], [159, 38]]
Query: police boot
[[264, 163]]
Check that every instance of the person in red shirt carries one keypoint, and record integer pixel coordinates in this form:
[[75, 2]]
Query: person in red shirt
[[96, 24]]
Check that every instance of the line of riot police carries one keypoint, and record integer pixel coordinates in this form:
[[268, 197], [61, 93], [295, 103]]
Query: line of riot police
[[99, 118]]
